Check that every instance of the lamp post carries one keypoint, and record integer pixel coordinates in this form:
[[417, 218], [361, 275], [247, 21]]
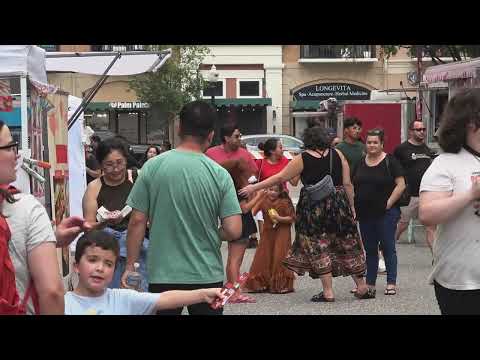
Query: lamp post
[[212, 79]]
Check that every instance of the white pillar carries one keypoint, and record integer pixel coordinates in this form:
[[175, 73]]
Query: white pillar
[[273, 85]]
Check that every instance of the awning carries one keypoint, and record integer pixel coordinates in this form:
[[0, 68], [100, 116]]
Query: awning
[[95, 63], [305, 104], [453, 71], [242, 101]]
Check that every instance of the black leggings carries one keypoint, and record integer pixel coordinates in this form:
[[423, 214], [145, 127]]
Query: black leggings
[[457, 302], [196, 309]]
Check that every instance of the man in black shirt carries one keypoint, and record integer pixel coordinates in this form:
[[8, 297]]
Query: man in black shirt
[[415, 157]]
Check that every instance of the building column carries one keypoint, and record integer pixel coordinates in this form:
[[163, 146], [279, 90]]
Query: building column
[[273, 85]]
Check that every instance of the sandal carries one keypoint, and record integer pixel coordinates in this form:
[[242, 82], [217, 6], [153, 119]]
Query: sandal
[[321, 298], [369, 294], [390, 291], [243, 299]]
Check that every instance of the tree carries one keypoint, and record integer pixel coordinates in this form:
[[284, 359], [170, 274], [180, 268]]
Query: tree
[[177, 82], [435, 52]]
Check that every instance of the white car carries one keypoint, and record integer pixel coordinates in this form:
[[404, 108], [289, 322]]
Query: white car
[[291, 145]]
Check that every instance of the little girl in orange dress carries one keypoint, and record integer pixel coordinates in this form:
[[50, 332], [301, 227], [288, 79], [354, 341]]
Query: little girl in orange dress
[[267, 274]]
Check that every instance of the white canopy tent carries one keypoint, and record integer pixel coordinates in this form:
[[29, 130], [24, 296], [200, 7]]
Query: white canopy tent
[[105, 64], [95, 63], [23, 60]]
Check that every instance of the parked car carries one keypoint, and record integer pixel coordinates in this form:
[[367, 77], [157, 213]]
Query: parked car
[[291, 145]]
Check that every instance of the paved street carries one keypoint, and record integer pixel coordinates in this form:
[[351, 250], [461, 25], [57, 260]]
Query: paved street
[[414, 296]]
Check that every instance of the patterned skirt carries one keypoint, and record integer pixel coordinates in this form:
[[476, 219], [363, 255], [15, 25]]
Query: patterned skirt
[[326, 239]]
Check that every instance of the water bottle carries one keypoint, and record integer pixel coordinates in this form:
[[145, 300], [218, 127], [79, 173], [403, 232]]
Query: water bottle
[[134, 278]]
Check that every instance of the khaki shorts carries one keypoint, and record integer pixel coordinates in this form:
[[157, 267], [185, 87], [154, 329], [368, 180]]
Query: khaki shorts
[[410, 211]]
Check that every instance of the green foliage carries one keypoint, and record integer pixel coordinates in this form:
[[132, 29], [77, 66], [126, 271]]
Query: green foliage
[[177, 82], [436, 52]]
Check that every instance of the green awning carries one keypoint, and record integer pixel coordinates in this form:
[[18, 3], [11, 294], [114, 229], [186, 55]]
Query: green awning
[[98, 106], [305, 104], [242, 101]]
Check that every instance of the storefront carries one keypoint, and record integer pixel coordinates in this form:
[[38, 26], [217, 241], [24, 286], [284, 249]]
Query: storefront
[[442, 82], [306, 102], [138, 122]]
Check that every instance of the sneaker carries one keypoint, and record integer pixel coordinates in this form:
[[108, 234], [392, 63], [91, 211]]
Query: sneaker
[[381, 266]]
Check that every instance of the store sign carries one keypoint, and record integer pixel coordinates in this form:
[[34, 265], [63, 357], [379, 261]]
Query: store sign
[[129, 105], [339, 91]]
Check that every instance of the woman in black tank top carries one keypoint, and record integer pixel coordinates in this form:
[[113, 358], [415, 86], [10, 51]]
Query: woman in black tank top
[[327, 242], [111, 191]]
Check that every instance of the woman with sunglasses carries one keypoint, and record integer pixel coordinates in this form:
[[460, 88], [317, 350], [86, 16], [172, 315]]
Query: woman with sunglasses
[[450, 198], [111, 191], [378, 182], [26, 230]]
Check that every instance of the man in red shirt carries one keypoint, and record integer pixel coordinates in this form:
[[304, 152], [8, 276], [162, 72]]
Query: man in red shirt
[[230, 147]]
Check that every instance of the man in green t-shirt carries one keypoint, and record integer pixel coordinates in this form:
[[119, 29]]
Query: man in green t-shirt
[[351, 146], [183, 193]]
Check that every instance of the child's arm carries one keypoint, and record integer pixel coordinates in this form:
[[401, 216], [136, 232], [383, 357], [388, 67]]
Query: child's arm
[[247, 206], [179, 298], [258, 205], [283, 219], [286, 212]]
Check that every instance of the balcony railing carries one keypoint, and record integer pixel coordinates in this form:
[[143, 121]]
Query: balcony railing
[[337, 51], [49, 48], [118, 47]]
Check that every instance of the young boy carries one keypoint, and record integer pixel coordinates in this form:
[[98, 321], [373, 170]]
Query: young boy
[[95, 258]]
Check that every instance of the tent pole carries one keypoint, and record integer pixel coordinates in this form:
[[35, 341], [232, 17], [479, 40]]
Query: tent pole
[[92, 93], [24, 114]]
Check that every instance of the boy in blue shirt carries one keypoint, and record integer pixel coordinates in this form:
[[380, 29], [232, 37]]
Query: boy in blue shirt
[[95, 258]]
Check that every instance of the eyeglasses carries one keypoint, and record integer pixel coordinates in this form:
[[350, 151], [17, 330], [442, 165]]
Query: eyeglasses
[[11, 147], [111, 166], [420, 129], [237, 136]]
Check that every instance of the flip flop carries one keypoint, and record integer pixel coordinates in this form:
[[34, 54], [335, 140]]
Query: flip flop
[[243, 299]]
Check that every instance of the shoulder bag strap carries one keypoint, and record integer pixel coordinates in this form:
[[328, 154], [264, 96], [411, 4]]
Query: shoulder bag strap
[[331, 160], [260, 170]]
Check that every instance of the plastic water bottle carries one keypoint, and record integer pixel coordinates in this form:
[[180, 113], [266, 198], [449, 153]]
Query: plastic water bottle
[[134, 278]]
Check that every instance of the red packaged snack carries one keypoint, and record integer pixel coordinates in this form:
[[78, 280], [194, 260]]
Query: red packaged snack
[[229, 290]]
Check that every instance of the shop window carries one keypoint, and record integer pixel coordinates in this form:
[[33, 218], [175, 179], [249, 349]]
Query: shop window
[[98, 121], [439, 100], [128, 126], [249, 88], [216, 89]]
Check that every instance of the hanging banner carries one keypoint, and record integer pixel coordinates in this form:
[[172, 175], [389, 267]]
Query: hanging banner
[[5, 96], [58, 158]]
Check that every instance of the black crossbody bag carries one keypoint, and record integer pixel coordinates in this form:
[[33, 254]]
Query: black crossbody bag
[[324, 187]]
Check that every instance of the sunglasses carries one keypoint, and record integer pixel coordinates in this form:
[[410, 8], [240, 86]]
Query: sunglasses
[[12, 146], [420, 129]]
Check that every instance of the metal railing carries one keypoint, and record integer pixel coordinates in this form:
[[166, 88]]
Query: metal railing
[[337, 51], [118, 47]]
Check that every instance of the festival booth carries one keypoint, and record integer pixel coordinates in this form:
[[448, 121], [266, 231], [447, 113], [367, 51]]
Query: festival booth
[[48, 123], [37, 114]]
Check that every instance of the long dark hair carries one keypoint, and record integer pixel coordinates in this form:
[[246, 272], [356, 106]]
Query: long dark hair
[[316, 138], [144, 159], [462, 109], [5, 194], [269, 146]]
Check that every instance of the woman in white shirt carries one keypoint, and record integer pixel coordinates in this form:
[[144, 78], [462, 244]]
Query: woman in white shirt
[[32, 244], [449, 197]]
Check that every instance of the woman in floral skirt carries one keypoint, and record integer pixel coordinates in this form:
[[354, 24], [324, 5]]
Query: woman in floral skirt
[[327, 242]]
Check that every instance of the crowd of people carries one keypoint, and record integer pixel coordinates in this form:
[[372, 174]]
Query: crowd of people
[[187, 200]]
